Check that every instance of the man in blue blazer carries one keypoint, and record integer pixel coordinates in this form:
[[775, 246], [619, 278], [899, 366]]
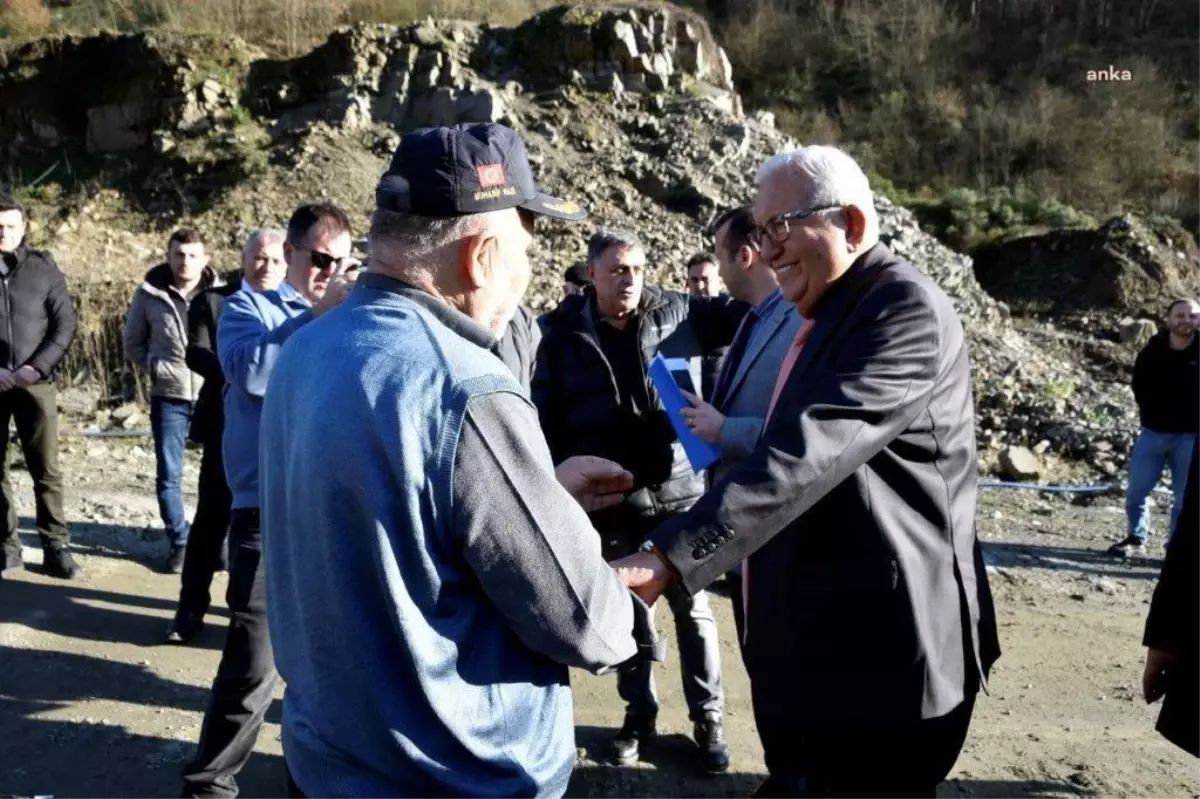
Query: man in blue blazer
[[744, 384]]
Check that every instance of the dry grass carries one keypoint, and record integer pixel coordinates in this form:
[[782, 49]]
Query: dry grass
[[284, 26], [24, 17], [97, 354]]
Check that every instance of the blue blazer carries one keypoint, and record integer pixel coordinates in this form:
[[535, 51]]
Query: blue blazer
[[744, 401]]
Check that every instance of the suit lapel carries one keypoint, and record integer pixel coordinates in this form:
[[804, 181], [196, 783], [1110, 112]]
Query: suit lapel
[[721, 389], [771, 326], [834, 309]]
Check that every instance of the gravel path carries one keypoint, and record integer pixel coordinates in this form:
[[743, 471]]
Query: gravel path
[[91, 704]]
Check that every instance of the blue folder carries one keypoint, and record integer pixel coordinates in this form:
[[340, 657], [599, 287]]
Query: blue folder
[[701, 454]]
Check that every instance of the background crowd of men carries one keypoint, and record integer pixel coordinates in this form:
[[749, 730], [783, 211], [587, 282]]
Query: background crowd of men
[[436, 502]]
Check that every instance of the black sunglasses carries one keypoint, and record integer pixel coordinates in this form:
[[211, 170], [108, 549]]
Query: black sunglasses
[[322, 260]]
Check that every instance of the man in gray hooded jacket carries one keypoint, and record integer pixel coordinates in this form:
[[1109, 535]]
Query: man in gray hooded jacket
[[156, 338]]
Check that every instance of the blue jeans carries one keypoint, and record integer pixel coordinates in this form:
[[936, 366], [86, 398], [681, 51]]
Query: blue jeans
[[169, 419], [1151, 452]]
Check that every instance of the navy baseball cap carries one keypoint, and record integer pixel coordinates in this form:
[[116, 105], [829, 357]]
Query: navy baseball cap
[[466, 169]]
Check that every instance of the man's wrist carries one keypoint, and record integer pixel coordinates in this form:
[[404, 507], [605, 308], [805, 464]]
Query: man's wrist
[[653, 549]]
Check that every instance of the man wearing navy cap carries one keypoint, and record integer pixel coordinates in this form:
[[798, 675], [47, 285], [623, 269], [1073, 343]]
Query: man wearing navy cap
[[429, 579]]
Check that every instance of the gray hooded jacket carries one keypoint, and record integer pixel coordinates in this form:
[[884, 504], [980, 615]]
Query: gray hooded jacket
[[156, 333]]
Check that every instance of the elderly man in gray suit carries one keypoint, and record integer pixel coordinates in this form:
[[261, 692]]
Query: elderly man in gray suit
[[734, 419], [869, 622]]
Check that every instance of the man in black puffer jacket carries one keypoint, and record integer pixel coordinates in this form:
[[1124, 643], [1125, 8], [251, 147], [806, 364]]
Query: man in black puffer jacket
[[594, 398], [37, 324]]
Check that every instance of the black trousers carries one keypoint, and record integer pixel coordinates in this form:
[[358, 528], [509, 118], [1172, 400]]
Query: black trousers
[[245, 682], [209, 527], [904, 759], [293, 790], [739, 609], [35, 410]]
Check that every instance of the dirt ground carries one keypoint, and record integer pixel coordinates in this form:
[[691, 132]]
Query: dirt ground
[[92, 704]]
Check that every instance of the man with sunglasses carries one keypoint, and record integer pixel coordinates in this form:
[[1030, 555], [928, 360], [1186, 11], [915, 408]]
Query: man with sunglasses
[[869, 625], [251, 331]]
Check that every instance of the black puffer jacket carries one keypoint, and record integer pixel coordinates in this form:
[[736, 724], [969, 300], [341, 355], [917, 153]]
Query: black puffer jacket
[[519, 345], [208, 417], [581, 412], [37, 319]]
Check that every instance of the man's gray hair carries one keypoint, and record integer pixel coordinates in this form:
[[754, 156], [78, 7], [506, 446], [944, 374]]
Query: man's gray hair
[[604, 240], [400, 239], [831, 176], [261, 236]]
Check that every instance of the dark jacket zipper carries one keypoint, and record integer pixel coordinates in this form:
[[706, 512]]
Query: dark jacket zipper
[[12, 364]]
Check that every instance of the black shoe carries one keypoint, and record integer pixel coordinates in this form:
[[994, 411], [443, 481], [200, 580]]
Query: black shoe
[[174, 564], [184, 627], [57, 562], [11, 560], [626, 747], [1130, 547], [714, 749]]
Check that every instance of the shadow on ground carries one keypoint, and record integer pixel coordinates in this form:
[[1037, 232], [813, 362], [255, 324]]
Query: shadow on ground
[[135, 544], [668, 768], [951, 789], [75, 611], [57, 758], [45, 754], [1085, 561]]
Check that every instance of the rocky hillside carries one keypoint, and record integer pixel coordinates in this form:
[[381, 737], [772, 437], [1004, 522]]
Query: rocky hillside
[[631, 112]]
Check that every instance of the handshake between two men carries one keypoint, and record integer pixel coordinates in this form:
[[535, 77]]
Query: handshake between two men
[[597, 483]]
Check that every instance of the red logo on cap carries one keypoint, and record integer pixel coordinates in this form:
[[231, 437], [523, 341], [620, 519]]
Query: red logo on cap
[[491, 175]]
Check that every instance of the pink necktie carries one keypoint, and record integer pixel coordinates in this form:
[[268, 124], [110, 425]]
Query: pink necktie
[[785, 369]]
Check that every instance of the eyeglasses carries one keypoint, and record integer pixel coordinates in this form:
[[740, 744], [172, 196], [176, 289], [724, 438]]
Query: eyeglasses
[[778, 227]]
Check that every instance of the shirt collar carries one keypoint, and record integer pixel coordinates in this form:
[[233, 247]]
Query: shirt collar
[[458, 322], [288, 293], [763, 308]]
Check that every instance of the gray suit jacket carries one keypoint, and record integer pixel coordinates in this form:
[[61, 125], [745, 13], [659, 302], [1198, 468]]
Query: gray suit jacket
[[868, 598], [744, 401]]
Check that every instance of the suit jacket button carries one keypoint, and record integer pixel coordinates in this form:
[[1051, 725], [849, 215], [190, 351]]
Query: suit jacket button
[[697, 554]]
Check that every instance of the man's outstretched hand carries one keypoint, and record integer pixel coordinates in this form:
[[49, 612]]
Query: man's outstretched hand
[[596, 483], [644, 573]]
